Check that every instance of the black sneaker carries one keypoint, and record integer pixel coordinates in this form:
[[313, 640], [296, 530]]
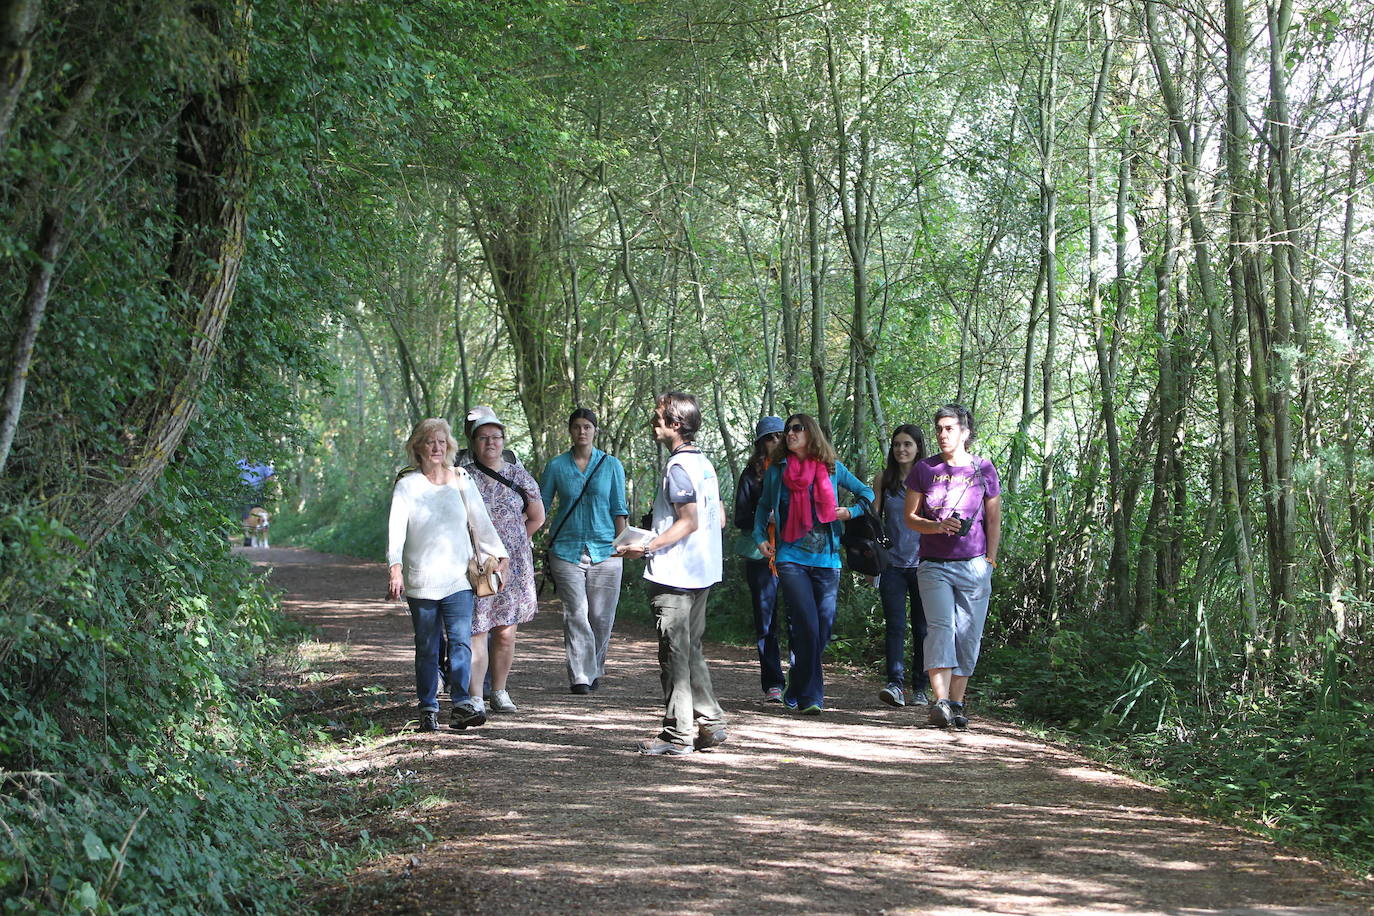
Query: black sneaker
[[429, 720], [709, 737], [468, 714], [940, 714], [957, 717], [596, 684], [580, 689]]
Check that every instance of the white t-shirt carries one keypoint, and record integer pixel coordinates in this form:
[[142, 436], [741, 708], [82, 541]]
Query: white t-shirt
[[694, 561], [428, 533]]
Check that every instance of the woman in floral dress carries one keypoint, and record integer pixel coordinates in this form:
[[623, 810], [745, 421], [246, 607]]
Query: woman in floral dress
[[513, 502]]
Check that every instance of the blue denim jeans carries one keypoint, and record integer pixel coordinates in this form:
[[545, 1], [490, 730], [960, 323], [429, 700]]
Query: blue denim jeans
[[431, 618], [810, 592], [763, 587], [898, 589]]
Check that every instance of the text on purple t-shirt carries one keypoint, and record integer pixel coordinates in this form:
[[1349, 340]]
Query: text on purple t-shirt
[[950, 489]]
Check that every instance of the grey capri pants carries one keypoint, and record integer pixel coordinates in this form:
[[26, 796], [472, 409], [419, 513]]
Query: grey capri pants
[[955, 595]]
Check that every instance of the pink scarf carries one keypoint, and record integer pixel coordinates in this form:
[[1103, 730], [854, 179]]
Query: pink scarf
[[811, 495]]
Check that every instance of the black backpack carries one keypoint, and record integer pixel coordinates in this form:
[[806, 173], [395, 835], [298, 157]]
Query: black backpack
[[865, 542]]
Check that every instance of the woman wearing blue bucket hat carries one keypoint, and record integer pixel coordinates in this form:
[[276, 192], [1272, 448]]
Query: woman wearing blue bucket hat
[[758, 570]]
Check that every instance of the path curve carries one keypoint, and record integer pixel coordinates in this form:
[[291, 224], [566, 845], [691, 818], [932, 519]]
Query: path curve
[[858, 811]]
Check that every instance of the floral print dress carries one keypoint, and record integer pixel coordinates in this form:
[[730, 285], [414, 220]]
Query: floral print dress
[[517, 601]]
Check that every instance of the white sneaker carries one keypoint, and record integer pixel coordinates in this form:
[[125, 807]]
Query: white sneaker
[[501, 701]]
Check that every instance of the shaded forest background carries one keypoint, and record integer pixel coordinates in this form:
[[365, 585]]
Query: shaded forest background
[[1133, 236]]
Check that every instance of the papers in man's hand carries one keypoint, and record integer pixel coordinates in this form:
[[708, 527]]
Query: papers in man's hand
[[632, 538]]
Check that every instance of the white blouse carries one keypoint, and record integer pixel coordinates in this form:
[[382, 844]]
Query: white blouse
[[428, 533]]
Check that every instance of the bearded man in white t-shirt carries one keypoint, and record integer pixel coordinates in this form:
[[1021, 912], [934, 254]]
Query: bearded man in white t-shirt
[[684, 562]]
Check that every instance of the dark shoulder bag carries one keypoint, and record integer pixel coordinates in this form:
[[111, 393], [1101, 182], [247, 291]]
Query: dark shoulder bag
[[865, 541], [545, 576]]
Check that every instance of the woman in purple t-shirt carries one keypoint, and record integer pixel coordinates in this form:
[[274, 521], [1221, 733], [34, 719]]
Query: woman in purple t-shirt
[[954, 500]]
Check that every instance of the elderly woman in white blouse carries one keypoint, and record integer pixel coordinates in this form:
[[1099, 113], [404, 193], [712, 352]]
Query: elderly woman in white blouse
[[436, 516]]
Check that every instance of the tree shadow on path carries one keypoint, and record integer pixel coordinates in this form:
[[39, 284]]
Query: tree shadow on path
[[861, 810]]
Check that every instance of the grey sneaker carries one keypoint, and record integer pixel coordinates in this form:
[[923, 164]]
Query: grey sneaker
[[470, 713], [918, 698], [940, 714], [957, 717], [710, 737], [657, 747], [501, 702], [892, 695]]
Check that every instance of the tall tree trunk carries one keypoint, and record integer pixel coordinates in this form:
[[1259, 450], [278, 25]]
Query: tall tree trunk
[[513, 240], [1021, 443], [211, 190], [1219, 332], [1356, 512], [50, 237], [1049, 258], [815, 265], [1118, 576], [789, 308], [854, 186], [17, 21]]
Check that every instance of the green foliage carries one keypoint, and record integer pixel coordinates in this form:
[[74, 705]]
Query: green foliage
[[140, 768], [351, 523]]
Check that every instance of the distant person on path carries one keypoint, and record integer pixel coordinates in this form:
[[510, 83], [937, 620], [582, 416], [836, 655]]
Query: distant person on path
[[799, 493], [589, 486], [256, 485], [684, 562], [436, 515], [255, 525], [758, 569], [897, 584], [517, 512], [954, 500]]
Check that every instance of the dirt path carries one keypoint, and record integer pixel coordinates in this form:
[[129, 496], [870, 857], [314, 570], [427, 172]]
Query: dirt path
[[549, 811]]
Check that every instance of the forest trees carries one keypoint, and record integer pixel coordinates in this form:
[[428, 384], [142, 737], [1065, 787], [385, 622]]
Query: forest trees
[[865, 209], [1135, 237]]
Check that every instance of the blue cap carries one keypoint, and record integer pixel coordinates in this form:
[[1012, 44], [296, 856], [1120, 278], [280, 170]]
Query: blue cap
[[766, 427]]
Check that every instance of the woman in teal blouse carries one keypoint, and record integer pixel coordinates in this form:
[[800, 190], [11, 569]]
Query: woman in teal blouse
[[800, 489], [589, 487]]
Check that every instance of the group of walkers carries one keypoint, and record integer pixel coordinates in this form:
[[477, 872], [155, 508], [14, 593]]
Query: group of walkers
[[450, 510]]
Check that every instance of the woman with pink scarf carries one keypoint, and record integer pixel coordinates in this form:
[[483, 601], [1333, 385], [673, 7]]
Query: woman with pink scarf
[[799, 496]]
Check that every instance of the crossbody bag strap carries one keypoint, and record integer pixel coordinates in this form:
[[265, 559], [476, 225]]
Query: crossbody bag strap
[[568, 514], [501, 478]]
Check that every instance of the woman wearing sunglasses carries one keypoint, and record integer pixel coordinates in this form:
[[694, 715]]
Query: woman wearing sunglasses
[[954, 499], [763, 583], [799, 493]]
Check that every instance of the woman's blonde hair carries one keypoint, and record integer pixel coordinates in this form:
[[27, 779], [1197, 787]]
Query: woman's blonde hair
[[423, 430], [817, 446]]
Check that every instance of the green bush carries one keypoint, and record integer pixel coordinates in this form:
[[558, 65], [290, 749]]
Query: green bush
[[141, 770]]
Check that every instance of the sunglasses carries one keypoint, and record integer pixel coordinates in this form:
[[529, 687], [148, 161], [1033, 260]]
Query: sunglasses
[[796, 428]]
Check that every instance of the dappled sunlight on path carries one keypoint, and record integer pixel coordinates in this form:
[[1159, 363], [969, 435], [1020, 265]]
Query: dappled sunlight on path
[[860, 810]]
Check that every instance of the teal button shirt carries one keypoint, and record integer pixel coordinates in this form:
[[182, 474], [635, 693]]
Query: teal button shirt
[[591, 528]]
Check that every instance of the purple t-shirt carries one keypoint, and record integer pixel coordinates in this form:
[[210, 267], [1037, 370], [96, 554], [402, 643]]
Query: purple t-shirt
[[954, 489]]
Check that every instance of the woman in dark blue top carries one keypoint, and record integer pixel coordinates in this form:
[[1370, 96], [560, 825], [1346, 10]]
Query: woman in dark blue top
[[763, 584], [897, 584]]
